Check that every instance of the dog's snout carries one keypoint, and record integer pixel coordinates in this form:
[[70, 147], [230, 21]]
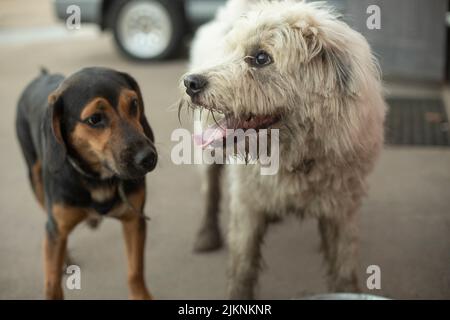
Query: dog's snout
[[195, 83], [146, 159]]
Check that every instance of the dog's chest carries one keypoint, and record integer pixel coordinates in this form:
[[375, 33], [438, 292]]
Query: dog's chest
[[307, 193], [103, 193], [271, 193], [105, 201], [285, 193]]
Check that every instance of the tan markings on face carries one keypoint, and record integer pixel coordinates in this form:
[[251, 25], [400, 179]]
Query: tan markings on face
[[126, 106], [97, 146], [92, 144]]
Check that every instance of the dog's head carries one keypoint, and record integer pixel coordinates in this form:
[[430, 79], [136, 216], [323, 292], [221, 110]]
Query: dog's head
[[281, 61], [96, 116]]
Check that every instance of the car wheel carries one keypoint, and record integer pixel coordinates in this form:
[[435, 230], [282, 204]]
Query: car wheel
[[148, 29]]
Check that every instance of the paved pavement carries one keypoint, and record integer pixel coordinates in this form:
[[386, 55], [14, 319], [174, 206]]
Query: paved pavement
[[405, 222]]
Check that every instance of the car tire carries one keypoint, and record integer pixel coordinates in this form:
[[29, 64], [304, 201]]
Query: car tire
[[147, 29]]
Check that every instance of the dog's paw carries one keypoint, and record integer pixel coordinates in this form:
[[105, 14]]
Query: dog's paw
[[208, 239]]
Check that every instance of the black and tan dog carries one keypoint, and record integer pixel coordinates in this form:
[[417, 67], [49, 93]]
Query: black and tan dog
[[88, 146]]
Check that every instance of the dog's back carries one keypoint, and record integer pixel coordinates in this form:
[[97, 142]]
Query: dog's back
[[33, 105]]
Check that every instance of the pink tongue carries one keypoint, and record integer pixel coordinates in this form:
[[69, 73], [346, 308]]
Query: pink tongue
[[213, 133]]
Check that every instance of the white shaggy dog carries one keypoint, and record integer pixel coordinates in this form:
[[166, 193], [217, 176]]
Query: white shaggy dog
[[296, 67]]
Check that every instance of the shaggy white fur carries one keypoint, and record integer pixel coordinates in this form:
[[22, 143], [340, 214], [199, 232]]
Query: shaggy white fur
[[298, 64]]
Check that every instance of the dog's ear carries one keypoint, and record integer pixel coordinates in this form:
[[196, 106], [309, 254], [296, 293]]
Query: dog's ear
[[340, 74], [143, 120], [55, 146], [328, 51]]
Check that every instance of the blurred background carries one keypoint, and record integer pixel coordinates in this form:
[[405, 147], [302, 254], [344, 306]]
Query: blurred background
[[405, 222]]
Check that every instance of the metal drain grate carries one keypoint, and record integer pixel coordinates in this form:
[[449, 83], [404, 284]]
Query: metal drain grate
[[412, 121]]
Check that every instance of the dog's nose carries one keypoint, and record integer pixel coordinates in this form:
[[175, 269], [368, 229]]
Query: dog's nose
[[146, 159], [194, 83]]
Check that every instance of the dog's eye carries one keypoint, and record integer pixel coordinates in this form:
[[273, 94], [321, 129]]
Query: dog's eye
[[262, 58], [95, 120], [134, 107]]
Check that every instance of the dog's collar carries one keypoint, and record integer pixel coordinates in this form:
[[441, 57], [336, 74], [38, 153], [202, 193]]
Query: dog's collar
[[122, 195], [79, 169]]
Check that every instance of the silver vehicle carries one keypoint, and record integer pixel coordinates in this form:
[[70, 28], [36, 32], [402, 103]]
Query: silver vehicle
[[144, 29]]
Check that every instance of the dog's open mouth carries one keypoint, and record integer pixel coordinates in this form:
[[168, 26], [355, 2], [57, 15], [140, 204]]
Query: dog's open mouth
[[215, 134]]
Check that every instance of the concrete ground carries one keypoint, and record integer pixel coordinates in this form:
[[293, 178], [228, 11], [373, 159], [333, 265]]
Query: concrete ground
[[405, 222]]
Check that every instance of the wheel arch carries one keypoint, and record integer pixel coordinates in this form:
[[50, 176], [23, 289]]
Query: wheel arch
[[106, 21]]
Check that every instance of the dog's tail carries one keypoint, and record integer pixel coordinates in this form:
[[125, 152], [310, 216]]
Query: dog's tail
[[44, 71]]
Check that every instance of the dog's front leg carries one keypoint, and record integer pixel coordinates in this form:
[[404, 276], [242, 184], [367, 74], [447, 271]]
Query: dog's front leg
[[134, 230], [339, 245], [62, 219], [247, 229]]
